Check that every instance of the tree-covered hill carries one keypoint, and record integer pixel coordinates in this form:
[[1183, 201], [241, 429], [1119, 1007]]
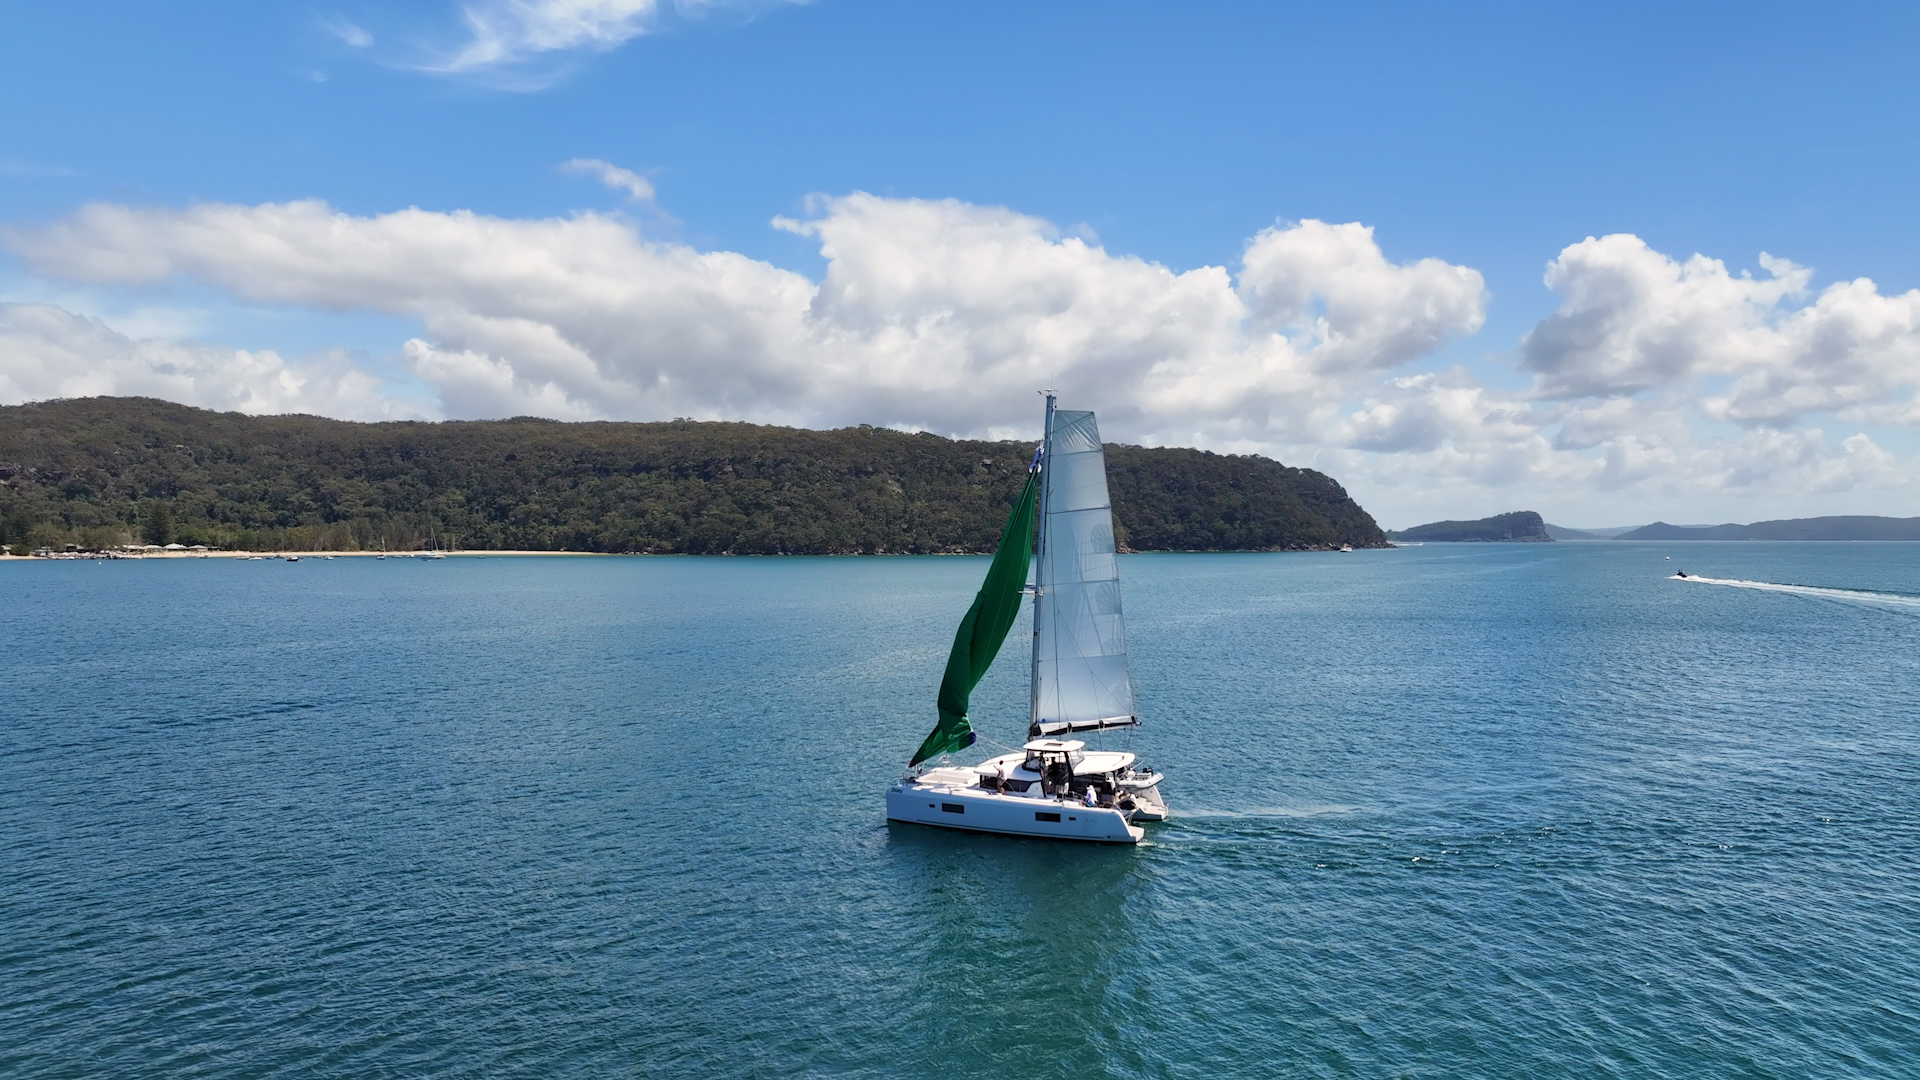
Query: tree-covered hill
[[1521, 526], [1845, 527], [101, 471]]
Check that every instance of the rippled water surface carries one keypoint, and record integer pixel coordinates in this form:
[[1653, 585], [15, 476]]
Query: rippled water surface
[[1455, 810]]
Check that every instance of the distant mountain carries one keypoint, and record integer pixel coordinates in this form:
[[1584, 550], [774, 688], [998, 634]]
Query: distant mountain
[[1609, 532], [1521, 526], [1561, 532], [1660, 530], [1847, 527]]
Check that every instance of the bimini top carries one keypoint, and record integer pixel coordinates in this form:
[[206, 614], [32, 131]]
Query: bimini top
[[1054, 746]]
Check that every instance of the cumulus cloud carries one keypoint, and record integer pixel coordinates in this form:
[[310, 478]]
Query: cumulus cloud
[[933, 314], [49, 352], [1671, 380], [1444, 443], [638, 188], [1372, 314], [1634, 319], [1425, 412], [1656, 377]]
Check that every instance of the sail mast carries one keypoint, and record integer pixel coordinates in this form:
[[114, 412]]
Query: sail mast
[[1040, 563]]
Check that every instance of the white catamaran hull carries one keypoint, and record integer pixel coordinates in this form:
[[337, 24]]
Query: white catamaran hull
[[979, 810]]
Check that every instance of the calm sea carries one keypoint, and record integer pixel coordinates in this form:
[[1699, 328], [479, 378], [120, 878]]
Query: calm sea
[[1501, 811]]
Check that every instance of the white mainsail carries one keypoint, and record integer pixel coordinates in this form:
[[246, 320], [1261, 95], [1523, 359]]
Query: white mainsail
[[1080, 678]]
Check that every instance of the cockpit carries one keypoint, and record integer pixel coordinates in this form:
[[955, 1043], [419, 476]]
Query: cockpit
[[1042, 753]]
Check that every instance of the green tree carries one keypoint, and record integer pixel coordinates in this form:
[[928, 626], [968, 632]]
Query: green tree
[[15, 527], [157, 523]]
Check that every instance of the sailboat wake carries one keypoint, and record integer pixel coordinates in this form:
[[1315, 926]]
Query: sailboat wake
[[1261, 812], [1863, 597]]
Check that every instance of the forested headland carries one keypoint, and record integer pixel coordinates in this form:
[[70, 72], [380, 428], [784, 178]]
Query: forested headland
[[1521, 526], [97, 472]]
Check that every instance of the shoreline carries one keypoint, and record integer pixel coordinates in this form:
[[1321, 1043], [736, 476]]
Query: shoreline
[[516, 553], [70, 556]]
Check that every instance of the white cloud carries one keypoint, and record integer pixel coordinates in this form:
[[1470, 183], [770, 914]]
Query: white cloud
[[932, 314], [1426, 412], [49, 352], [504, 37], [1434, 446], [1440, 445], [638, 188], [1372, 314], [1656, 380], [1634, 319], [508, 31]]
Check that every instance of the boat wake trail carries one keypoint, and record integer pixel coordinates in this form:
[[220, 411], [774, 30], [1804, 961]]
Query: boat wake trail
[[1266, 812], [1863, 597]]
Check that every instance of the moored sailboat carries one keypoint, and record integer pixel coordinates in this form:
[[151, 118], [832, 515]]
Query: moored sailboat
[[1053, 786]]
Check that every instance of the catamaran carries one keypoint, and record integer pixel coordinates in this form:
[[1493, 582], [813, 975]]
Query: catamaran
[[1053, 786]]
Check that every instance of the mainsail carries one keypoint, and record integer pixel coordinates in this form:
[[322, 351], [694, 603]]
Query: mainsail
[[1080, 641], [983, 630]]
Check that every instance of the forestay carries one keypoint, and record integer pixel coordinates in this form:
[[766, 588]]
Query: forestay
[[1080, 678]]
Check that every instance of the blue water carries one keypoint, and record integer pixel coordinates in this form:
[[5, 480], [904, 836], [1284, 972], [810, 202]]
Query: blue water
[[1538, 811]]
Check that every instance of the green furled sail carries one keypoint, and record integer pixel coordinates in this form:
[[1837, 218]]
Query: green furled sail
[[983, 630]]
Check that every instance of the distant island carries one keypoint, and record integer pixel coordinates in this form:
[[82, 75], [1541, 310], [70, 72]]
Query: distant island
[[1519, 527], [1845, 527], [97, 472]]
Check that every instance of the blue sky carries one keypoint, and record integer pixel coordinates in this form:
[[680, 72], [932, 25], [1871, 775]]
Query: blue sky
[[1488, 137]]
